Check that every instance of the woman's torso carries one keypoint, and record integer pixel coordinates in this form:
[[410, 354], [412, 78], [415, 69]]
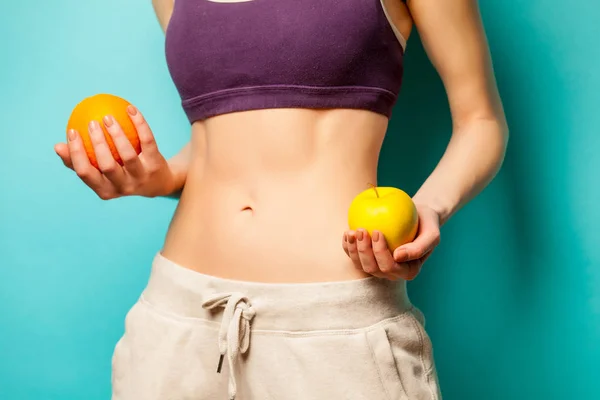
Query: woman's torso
[[267, 191]]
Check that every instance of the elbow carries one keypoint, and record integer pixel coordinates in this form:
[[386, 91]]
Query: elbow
[[499, 136], [504, 130], [487, 136], [502, 134]]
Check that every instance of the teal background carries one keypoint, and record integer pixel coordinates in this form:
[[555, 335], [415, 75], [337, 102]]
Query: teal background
[[512, 294]]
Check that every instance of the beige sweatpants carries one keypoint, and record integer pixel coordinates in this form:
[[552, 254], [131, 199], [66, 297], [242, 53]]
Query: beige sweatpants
[[195, 337]]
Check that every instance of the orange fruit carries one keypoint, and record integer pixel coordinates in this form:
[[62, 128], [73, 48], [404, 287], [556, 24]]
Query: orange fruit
[[95, 108]]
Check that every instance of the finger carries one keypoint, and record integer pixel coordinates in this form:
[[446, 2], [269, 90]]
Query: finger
[[412, 269], [106, 162], [345, 243], [81, 164], [62, 150], [425, 257], [128, 155], [427, 238], [353, 250], [147, 141], [384, 258], [414, 266], [365, 253]]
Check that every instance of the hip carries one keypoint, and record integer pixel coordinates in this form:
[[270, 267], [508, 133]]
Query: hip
[[333, 305], [364, 333]]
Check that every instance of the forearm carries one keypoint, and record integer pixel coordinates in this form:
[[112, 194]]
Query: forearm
[[179, 165], [473, 157]]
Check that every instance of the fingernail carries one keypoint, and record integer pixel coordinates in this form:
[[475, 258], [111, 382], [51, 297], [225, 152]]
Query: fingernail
[[345, 237], [359, 235], [131, 110], [375, 236], [351, 239], [108, 121], [72, 134], [93, 125]]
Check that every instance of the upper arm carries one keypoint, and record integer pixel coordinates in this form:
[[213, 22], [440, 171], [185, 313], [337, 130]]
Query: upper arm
[[454, 39], [163, 10]]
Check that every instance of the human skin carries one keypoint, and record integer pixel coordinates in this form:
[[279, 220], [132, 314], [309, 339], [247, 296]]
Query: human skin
[[263, 194]]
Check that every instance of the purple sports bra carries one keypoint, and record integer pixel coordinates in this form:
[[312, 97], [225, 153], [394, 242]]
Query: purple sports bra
[[226, 56]]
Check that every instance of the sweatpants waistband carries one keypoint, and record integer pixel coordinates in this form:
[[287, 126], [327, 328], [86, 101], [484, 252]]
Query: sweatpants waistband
[[336, 305]]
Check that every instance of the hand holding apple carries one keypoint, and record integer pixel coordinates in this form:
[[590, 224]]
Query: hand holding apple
[[390, 236], [388, 210]]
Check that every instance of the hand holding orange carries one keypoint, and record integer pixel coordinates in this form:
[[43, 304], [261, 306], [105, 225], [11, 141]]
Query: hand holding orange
[[112, 149], [388, 210], [94, 108]]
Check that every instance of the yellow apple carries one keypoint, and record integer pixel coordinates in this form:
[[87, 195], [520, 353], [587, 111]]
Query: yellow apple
[[388, 210]]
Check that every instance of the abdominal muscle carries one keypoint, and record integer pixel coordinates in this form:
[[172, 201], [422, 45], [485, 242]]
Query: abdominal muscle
[[267, 194]]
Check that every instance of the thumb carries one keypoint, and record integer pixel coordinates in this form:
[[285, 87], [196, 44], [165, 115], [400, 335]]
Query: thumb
[[428, 236], [63, 152]]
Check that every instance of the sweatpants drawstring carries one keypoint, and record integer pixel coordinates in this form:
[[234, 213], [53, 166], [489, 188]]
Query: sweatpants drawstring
[[234, 334]]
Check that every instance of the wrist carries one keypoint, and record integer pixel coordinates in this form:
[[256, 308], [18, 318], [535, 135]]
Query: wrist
[[444, 208], [175, 180], [163, 183]]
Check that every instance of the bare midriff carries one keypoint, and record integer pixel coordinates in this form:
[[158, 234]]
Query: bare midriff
[[267, 194]]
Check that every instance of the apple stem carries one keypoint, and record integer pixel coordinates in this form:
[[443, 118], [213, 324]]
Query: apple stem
[[375, 189]]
